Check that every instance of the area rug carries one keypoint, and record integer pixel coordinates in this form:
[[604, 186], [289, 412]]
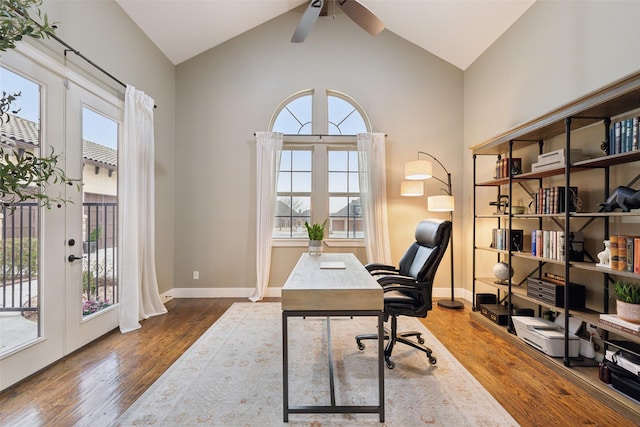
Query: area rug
[[232, 376]]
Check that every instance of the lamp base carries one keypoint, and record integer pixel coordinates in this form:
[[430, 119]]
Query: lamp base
[[450, 303]]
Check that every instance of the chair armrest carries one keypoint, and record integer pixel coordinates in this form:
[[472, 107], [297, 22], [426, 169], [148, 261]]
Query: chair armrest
[[396, 281], [378, 269]]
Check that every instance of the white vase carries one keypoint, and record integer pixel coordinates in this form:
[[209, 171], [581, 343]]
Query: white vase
[[628, 312], [315, 247]]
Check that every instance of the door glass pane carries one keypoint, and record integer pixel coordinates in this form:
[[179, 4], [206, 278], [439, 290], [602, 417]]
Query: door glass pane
[[100, 211], [20, 239]]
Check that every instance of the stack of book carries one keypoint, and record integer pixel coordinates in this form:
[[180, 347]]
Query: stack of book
[[613, 321], [548, 244], [625, 253], [623, 136], [505, 166], [557, 159], [552, 200]]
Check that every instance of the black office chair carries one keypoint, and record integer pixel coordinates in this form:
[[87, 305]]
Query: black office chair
[[407, 288]]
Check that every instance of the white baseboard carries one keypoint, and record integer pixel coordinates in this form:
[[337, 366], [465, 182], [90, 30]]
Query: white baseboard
[[272, 292]]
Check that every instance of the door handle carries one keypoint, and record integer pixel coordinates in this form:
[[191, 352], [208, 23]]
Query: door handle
[[74, 258]]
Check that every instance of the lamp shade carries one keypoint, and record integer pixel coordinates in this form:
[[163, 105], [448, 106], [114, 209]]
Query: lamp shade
[[418, 169], [443, 203], [412, 188]]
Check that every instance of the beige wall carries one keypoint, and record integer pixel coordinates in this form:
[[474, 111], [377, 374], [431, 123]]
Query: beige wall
[[209, 108], [557, 52], [226, 94], [101, 31]]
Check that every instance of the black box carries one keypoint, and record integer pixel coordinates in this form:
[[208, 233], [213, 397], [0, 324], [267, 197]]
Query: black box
[[495, 312], [485, 299]]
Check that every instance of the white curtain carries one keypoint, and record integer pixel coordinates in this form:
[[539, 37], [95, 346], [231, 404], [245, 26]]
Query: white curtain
[[373, 196], [268, 148], [139, 297]]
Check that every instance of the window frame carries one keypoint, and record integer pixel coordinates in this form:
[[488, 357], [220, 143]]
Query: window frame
[[319, 184]]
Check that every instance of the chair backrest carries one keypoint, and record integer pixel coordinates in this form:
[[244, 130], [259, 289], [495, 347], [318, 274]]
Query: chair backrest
[[423, 257]]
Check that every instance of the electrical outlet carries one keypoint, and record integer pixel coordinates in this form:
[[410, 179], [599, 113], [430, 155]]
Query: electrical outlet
[[196, 275]]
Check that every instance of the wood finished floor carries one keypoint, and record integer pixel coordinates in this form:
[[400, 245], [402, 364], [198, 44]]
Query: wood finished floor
[[96, 384]]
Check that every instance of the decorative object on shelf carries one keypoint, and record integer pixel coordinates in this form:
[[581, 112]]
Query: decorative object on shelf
[[423, 169], [628, 303], [501, 203], [316, 234], [605, 255], [502, 272], [625, 198], [517, 210]]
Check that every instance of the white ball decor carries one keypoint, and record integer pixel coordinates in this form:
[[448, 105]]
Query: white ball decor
[[501, 271]]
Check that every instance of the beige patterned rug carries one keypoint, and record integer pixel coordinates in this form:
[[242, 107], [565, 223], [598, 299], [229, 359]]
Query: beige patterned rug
[[232, 376]]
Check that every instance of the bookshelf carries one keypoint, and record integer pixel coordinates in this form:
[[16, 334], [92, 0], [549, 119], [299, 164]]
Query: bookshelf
[[598, 112]]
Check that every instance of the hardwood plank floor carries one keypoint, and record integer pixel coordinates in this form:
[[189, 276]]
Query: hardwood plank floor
[[96, 384]]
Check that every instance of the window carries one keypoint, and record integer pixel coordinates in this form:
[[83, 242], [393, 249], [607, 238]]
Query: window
[[345, 215], [293, 203], [318, 176]]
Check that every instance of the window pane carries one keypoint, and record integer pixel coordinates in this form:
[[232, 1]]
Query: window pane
[[20, 231], [338, 160], [345, 218], [301, 182], [338, 182], [344, 118], [301, 160], [284, 182], [354, 182], [291, 213], [295, 117]]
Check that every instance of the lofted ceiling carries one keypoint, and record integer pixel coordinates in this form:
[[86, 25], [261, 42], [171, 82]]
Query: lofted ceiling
[[457, 31]]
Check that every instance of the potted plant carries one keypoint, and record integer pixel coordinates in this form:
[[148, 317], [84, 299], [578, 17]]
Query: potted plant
[[316, 234], [92, 244], [628, 303]]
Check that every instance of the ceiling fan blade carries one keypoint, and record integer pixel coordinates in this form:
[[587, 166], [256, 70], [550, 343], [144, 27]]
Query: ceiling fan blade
[[306, 22], [361, 16]]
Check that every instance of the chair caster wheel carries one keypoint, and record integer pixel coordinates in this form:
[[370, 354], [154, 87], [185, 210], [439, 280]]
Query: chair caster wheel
[[390, 364], [360, 346], [420, 340], [433, 360]]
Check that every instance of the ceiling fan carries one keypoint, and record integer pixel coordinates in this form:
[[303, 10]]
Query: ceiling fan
[[352, 8]]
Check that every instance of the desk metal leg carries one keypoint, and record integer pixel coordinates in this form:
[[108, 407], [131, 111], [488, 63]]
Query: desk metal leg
[[285, 366], [381, 365], [332, 408]]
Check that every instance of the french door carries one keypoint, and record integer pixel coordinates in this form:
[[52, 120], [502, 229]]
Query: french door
[[64, 292]]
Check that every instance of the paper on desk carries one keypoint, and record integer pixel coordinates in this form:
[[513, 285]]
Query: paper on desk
[[332, 265]]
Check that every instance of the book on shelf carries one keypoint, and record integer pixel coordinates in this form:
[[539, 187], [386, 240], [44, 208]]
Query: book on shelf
[[624, 136], [625, 253], [622, 253], [615, 322], [636, 255], [504, 166], [552, 200]]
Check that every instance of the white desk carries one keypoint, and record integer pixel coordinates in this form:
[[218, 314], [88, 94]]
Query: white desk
[[317, 286]]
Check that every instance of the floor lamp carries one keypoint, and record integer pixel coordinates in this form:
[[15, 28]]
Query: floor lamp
[[423, 169]]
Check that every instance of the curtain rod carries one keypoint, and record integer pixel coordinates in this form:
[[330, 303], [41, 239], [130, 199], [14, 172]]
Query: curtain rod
[[319, 135], [69, 48]]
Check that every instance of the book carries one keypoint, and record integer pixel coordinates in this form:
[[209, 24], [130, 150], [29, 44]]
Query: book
[[636, 255], [616, 322], [533, 242], [629, 254], [560, 245], [613, 249], [622, 253]]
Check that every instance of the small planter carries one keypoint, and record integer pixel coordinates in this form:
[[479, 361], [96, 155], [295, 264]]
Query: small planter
[[315, 247], [89, 247], [628, 312]]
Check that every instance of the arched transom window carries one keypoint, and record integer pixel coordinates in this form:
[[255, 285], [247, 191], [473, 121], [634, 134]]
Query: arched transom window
[[319, 176]]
